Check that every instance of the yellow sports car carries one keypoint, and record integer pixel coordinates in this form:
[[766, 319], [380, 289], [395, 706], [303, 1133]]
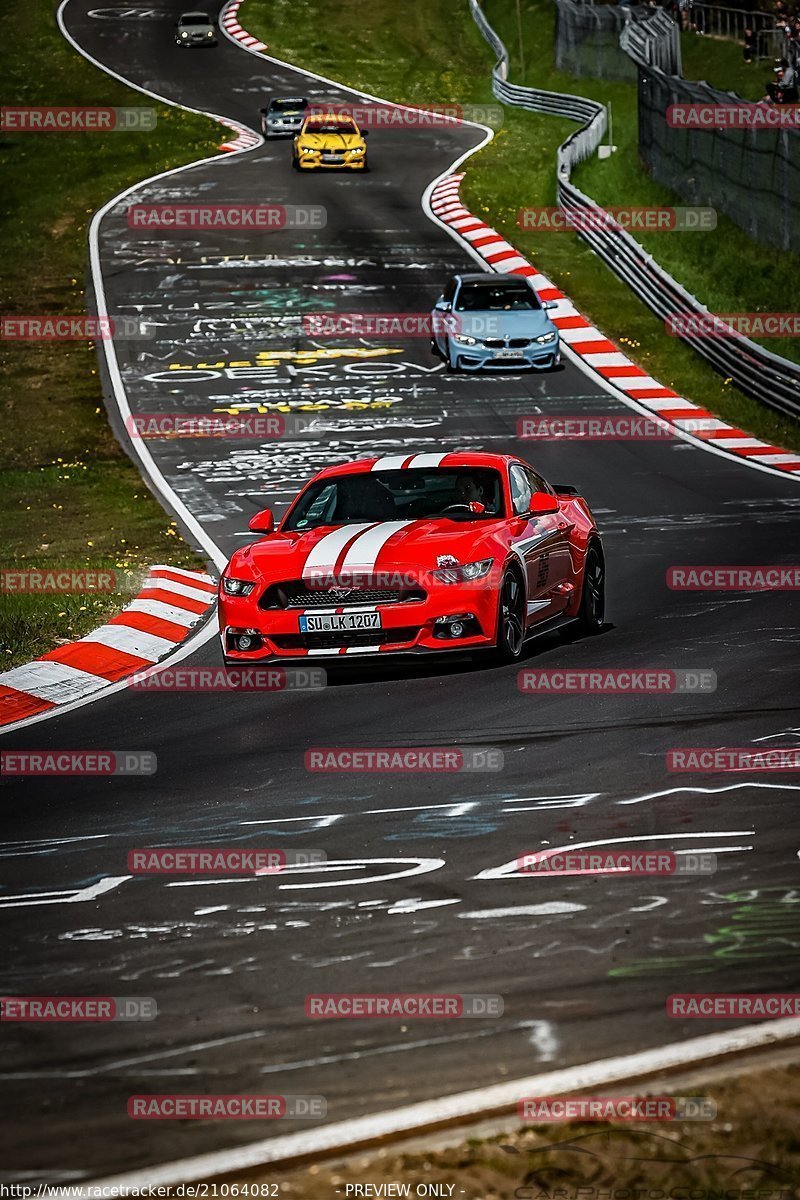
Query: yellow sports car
[[330, 141]]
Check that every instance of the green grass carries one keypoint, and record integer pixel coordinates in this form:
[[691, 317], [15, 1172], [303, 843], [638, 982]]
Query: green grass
[[434, 54], [721, 63], [69, 497]]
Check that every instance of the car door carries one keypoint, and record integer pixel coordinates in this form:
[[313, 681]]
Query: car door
[[440, 317], [541, 541]]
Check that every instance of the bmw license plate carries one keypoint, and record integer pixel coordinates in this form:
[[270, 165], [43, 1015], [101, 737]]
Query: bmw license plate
[[509, 354], [335, 622], [334, 158]]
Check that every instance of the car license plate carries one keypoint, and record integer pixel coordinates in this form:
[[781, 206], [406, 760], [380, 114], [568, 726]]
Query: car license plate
[[509, 354], [335, 622], [332, 158]]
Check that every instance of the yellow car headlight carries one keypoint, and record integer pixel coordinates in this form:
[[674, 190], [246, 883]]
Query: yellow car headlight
[[357, 150]]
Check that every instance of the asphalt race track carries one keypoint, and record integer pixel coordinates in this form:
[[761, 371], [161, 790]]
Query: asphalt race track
[[411, 900]]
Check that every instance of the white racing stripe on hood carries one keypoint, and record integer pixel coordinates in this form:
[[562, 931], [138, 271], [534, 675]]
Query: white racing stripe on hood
[[365, 550], [328, 548]]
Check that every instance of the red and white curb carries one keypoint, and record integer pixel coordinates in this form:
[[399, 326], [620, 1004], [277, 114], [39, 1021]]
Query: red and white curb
[[170, 604], [230, 23], [245, 138], [596, 351]]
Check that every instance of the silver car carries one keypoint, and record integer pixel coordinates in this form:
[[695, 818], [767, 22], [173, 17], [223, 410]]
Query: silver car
[[283, 116], [195, 29]]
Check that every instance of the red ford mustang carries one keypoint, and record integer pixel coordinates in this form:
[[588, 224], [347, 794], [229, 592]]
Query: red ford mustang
[[414, 554]]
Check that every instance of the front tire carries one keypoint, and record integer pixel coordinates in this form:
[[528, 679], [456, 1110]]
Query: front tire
[[591, 613], [511, 612]]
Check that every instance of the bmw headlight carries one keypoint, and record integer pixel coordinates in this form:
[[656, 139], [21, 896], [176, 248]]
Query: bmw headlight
[[357, 150], [236, 587], [464, 339], [546, 337], [307, 150], [466, 573]]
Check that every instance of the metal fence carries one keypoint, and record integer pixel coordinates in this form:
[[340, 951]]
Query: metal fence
[[724, 22], [756, 371], [751, 175], [588, 39]]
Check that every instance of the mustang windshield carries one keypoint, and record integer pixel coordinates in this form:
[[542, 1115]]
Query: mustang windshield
[[477, 297], [452, 493]]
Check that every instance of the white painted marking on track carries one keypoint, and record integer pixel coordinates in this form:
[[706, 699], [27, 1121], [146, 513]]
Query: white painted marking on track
[[549, 908], [67, 896], [512, 869]]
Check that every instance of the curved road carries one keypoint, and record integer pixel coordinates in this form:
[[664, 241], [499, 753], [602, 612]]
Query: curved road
[[584, 965]]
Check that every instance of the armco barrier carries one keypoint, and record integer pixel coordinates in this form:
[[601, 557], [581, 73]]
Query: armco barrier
[[754, 370]]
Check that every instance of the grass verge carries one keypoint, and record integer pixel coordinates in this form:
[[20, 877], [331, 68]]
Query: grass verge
[[439, 57], [69, 496], [748, 1151]]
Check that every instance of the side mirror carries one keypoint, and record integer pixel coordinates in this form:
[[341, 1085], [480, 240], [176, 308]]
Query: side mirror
[[263, 522], [364, 133], [549, 304], [443, 305], [543, 503]]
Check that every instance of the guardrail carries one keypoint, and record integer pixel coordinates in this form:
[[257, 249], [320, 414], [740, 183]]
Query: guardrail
[[754, 370], [656, 42]]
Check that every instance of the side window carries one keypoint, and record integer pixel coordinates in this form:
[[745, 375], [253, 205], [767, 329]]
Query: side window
[[537, 484], [521, 490]]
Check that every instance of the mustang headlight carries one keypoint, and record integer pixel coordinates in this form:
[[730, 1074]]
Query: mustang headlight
[[546, 337], [464, 339], [236, 587], [466, 573]]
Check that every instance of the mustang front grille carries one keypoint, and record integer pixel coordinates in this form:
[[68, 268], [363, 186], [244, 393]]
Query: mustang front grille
[[297, 594]]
